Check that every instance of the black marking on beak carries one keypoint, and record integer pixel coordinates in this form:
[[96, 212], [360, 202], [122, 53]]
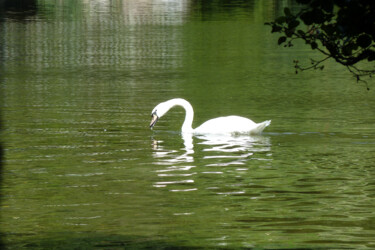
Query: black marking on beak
[[154, 119]]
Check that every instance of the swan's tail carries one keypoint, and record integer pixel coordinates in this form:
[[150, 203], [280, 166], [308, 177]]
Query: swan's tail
[[260, 127]]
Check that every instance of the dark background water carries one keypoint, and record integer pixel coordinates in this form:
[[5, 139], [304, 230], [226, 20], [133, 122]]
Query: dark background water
[[82, 169]]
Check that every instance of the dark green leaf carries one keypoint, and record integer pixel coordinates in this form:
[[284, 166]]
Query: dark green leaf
[[327, 5], [347, 50], [280, 20], [318, 16], [287, 11], [281, 40], [307, 17], [301, 33], [276, 28], [289, 32], [293, 24], [364, 40], [328, 29], [371, 56], [303, 1], [314, 16]]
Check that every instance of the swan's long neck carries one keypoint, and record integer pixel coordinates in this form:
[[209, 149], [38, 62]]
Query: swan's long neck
[[189, 113]]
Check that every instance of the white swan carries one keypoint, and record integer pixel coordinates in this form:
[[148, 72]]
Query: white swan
[[221, 125]]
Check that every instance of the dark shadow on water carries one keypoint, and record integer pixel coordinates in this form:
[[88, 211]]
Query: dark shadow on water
[[96, 241], [2, 161], [18, 9], [101, 241], [1, 180]]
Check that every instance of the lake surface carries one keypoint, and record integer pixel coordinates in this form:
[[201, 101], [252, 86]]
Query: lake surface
[[82, 169]]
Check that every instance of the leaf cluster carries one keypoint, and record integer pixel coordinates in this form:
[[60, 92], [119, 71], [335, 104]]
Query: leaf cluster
[[342, 30]]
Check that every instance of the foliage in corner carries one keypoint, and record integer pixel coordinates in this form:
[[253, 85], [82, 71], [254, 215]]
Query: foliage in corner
[[340, 29]]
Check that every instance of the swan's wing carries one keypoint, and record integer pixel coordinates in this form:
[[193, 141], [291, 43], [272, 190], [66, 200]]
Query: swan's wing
[[227, 124]]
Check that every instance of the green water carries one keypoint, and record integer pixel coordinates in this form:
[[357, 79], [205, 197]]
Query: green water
[[82, 169]]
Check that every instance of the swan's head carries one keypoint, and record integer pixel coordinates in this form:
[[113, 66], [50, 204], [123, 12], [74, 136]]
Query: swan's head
[[158, 112]]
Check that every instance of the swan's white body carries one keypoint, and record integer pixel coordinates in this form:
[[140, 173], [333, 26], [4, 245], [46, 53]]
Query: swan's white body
[[221, 125]]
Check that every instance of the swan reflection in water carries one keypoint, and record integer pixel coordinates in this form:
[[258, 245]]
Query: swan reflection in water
[[238, 148], [205, 154]]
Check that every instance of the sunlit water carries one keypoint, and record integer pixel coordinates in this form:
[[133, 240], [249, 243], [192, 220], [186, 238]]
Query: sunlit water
[[82, 169]]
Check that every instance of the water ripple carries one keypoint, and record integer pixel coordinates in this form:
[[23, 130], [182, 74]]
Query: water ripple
[[218, 153]]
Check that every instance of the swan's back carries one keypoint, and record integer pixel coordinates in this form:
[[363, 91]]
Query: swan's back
[[231, 124]]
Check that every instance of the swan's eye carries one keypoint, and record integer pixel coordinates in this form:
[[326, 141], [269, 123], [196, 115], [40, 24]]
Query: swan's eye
[[153, 113]]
